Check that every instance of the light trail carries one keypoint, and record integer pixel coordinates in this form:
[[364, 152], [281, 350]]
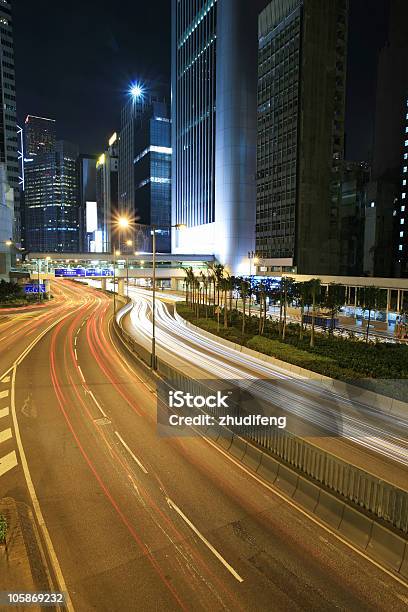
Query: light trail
[[346, 418]]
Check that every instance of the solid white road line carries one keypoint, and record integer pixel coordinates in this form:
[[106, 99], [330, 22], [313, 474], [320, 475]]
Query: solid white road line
[[4, 394], [8, 462], [98, 404], [5, 435], [139, 463], [4, 412], [203, 539], [36, 504]]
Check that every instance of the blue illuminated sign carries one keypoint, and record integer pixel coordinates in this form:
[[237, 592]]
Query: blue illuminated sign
[[35, 288]]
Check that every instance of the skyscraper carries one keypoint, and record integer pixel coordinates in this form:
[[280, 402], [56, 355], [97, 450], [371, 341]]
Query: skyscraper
[[40, 135], [51, 201], [387, 254], [86, 183], [301, 99], [106, 195], [214, 59], [139, 99], [152, 164], [8, 127]]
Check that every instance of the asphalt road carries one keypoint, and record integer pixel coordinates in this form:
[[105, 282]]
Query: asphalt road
[[142, 522]]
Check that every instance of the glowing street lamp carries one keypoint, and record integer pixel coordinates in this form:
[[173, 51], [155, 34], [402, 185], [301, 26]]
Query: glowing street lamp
[[136, 91]]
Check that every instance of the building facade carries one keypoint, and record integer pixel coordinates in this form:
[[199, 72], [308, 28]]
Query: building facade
[[214, 58], [386, 225], [7, 250], [152, 167], [51, 201], [8, 126], [130, 123], [39, 136], [300, 133], [86, 183], [352, 214], [106, 196]]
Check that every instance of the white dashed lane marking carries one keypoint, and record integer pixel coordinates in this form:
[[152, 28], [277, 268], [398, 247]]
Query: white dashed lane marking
[[8, 459]]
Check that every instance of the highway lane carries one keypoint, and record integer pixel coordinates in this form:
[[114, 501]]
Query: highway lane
[[144, 522], [20, 326], [368, 438]]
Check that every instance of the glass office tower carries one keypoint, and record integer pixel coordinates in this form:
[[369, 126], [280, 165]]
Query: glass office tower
[[8, 128], [214, 65], [301, 100], [51, 201]]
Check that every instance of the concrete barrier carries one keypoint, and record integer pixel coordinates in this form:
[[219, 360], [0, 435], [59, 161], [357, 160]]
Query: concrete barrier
[[286, 480], [306, 494], [238, 447], [404, 567], [386, 546], [252, 457], [268, 468], [356, 526], [330, 509]]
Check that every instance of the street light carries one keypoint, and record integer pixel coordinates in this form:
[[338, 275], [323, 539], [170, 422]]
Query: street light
[[129, 243], [121, 223]]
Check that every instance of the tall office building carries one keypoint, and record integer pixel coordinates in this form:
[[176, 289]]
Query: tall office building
[[301, 99], [86, 183], [352, 214], [214, 65], [138, 102], [152, 164], [8, 127], [106, 198], [39, 135], [7, 252], [387, 251], [51, 201]]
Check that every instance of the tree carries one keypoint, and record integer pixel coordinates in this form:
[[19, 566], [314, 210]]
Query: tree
[[302, 291], [244, 290], [334, 299], [189, 284], [287, 293], [314, 286], [204, 280], [373, 298]]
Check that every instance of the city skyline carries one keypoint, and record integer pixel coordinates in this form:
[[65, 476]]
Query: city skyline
[[118, 57]]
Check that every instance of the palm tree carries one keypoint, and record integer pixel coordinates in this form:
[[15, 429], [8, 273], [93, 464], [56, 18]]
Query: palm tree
[[373, 299], [189, 284], [244, 290], [302, 293], [204, 280], [315, 292], [219, 273], [288, 290], [334, 300]]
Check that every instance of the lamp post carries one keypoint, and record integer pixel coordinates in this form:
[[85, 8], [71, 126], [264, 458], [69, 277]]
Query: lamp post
[[121, 223], [129, 243]]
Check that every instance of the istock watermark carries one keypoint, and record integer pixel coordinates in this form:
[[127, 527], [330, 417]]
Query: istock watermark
[[187, 407], [260, 408]]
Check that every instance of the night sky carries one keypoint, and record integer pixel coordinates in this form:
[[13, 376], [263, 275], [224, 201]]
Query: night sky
[[74, 62]]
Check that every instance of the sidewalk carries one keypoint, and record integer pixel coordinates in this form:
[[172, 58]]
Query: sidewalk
[[22, 566]]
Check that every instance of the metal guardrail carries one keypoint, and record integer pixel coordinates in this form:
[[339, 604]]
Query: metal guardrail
[[380, 499]]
